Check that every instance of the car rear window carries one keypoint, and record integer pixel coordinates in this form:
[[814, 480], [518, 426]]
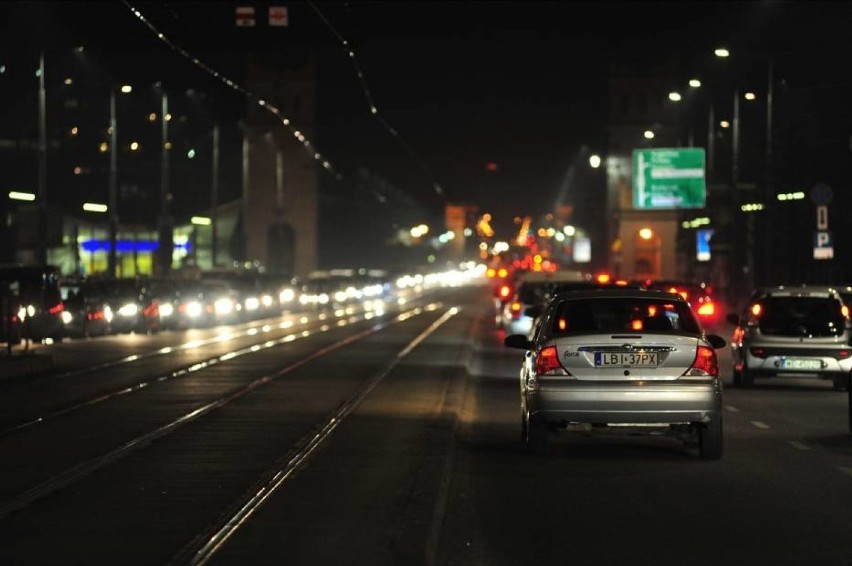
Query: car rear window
[[801, 316], [632, 315]]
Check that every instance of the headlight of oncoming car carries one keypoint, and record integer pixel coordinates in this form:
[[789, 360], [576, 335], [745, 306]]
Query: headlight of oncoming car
[[223, 306], [166, 309], [108, 314], [67, 317], [130, 309], [194, 309], [252, 303]]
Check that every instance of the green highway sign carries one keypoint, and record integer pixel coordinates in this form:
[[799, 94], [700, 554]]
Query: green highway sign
[[669, 178]]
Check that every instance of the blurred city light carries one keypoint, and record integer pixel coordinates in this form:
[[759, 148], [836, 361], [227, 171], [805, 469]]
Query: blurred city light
[[27, 197], [694, 83], [725, 124], [722, 52], [569, 230], [126, 89], [104, 147], [134, 146], [200, 221], [649, 134], [799, 195], [190, 154], [69, 81], [752, 207], [94, 207], [419, 231], [675, 97], [152, 117], [595, 161], [646, 233], [750, 96]]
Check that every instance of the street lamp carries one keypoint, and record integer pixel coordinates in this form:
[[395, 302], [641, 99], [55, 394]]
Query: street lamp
[[595, 161], [649, 135], [722, 52], [694, 83], [675, 97], [112, 207]]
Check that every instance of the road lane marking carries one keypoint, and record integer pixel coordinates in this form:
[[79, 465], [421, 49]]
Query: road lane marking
[[799, 445], [761, 425], [732, 409]]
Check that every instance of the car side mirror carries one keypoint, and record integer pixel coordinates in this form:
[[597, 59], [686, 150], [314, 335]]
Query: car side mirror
[[716, 341], [517, 341], [733, 319]]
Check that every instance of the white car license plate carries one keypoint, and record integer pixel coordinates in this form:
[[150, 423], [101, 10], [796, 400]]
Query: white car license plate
[[800, 363], [627, 359]]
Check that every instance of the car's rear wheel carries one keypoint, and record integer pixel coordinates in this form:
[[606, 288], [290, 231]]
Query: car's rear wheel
[[746, 377], [710, 439], [536, 435]]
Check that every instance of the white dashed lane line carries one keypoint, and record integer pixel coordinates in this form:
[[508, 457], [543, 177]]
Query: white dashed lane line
[[759, 424], [732, 409], [799, 445]]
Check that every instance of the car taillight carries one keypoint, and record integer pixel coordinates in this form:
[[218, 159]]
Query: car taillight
[[515, 307], [705, 363], [504, 291], [707, 308], [56, 309], [547, 362], [503, 273], [491, 272], [843, 354], [758, 352]]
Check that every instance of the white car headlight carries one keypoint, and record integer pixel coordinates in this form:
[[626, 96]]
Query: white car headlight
[[194, 309], [252, 303], [286, 295], [224, 306], [266, 300], [129, 309], [166, 309], [67, 317], [108, 314]]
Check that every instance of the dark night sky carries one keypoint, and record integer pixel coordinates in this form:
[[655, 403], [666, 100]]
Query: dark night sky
[[520, 84]]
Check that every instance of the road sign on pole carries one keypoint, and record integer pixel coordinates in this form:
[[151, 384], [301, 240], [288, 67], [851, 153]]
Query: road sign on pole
[[823, 245], [669, 178]]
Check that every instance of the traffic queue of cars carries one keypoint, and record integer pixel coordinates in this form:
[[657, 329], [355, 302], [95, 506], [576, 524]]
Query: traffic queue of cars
[[37, 303], [606, 355]]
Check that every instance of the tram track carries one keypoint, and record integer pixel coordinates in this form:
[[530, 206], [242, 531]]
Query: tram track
[[68, 476]]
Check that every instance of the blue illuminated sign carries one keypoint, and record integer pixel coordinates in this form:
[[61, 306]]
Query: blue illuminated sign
[[702, 244], [128, 246]]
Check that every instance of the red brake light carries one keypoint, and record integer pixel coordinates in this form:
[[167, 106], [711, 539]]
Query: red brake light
[[604, 278], [705, 363], [56, 309], [707, 308], [756, 309], [547, 362], [758, 352]]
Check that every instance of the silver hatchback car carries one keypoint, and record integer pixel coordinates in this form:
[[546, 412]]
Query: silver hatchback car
[[615, 358], [793, 330]]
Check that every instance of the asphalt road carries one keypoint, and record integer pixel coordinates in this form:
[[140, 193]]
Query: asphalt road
[[391, 437]]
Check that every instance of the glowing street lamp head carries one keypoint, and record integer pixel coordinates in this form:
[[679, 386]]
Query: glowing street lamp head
[[722, 52], [694, 83], [126, 89], [649, 135], [595, 161], [675, 97]]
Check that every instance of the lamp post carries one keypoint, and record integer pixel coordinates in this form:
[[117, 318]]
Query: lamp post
[[165, 230], [41, 254], [112, 199]]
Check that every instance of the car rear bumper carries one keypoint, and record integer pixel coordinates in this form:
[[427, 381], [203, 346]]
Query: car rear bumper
[[626, 402]]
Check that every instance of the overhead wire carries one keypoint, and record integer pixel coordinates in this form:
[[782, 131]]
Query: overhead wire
[[285, 121], [350, 53]]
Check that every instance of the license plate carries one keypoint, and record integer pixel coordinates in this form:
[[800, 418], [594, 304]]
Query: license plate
[[799, 363], [627, 359]]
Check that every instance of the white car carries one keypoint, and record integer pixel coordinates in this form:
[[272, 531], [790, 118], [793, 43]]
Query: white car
[[619, 357]]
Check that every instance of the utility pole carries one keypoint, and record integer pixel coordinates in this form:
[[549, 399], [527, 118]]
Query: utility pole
[[214, 197], [113, 186], [165, 239], [41, 254]]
